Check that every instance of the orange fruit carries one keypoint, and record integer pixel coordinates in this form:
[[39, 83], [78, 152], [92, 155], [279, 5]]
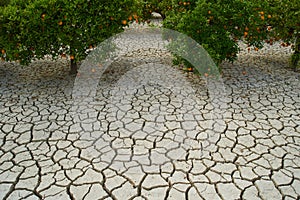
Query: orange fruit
[[184, 3], [269, 16], [262, 17], [262, 13], [43, 15], [130, 18], [245, 34], [124, 22], [3, 51], [256, 49], [60, 23], [246, 29], [209, 12], [72, 57]]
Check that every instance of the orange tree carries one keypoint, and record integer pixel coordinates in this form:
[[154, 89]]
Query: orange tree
[[284, 25], [35, 28], [219, 24]]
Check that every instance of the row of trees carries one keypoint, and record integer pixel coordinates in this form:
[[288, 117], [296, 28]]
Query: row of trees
[[34, 28]]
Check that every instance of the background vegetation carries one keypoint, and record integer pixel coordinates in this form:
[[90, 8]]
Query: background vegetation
[[35, 28]]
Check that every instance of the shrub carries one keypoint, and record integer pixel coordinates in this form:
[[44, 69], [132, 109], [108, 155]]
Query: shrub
[[219, 24], [35, 28]]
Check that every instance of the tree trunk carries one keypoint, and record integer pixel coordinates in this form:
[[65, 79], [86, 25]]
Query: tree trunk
[[73, 69], [296, 55]]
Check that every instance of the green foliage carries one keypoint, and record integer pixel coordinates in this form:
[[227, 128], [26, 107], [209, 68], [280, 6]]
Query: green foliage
[[148, 6], [4, 2], [32, 29], [219, 24]]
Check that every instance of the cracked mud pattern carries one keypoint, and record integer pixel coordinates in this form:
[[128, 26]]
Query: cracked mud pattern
[[151, 131]]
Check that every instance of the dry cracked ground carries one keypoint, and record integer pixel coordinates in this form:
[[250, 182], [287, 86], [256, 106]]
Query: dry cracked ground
[[152, 131]]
